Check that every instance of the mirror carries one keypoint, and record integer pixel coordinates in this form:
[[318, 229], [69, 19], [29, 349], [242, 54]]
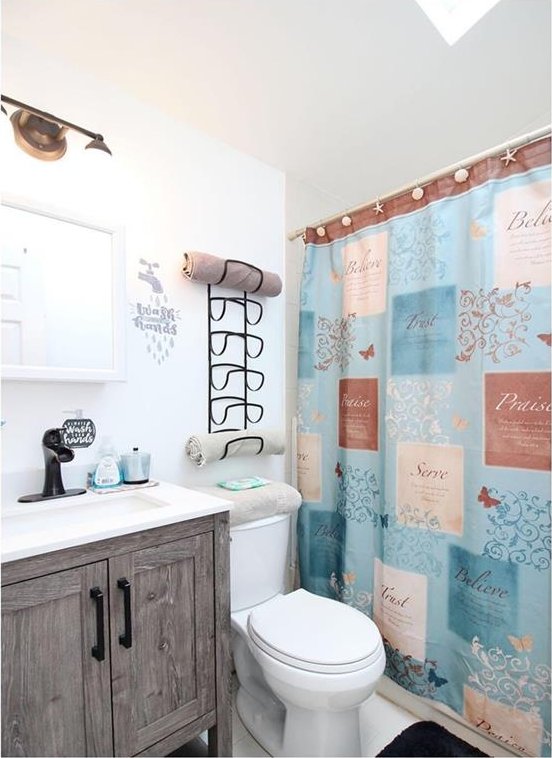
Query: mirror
[[62, 296]]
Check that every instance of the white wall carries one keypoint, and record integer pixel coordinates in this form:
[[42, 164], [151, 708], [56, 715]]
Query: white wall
[[172, 189]]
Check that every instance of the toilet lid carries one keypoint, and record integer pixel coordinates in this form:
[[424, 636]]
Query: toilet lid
[[314, 633]]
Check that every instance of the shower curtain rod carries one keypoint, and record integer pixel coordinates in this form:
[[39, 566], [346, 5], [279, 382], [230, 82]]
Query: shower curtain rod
[[511, 144]]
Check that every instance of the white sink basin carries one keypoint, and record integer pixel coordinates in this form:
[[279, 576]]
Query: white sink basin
[[34, 528], [64, 516]]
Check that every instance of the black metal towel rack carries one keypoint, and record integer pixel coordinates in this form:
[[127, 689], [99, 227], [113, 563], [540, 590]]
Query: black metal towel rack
[[221, 371]]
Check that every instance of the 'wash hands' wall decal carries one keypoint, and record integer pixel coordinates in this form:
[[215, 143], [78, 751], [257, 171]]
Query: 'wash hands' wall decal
[[154, 317]]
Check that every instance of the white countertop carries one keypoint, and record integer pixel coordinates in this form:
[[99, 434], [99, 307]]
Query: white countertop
[[34, 528]]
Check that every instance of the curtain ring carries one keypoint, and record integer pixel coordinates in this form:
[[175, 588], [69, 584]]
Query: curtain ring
[[461, 175], [417, 192]]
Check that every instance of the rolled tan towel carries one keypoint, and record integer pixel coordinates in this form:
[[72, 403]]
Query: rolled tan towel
[[206, 448], [261, 502], [209, 269]]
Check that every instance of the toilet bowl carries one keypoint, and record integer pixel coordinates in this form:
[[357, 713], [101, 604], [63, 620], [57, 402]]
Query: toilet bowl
[[305, 664]]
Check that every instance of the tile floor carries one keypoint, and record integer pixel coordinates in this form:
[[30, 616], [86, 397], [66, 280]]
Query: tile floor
[[381, 721]]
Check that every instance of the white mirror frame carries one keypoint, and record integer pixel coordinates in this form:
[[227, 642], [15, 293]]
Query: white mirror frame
[[118, 274]]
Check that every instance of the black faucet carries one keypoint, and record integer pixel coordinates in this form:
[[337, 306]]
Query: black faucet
[[55, 452]]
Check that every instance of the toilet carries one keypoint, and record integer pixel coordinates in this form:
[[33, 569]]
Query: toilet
[[305, 664]]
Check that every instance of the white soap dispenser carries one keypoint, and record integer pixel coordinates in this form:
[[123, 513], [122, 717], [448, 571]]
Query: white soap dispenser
[[108, 471]]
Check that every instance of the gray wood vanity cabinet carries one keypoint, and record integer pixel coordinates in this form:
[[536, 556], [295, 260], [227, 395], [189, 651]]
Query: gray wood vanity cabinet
[[119, 647]]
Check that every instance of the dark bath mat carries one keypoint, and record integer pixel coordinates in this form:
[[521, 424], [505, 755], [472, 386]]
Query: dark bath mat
[[426, 738]]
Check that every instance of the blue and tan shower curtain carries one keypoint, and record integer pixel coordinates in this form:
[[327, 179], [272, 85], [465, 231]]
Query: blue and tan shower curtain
[[424, 437]]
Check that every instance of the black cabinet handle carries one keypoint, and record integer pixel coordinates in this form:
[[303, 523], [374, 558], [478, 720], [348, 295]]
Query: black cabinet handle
[[98, 650], [126, 639]]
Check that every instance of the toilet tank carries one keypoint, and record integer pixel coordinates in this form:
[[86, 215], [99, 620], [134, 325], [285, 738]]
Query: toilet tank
[[258, 560]]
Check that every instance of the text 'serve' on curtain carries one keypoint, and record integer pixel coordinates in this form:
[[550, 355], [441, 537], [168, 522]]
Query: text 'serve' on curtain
[[424, 437]]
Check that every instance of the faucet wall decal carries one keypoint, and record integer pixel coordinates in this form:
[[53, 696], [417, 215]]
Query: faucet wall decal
[[55, 453], [149, 276]]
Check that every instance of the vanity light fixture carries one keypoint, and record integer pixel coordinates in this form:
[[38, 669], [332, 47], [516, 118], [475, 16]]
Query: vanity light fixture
[[42, 135]]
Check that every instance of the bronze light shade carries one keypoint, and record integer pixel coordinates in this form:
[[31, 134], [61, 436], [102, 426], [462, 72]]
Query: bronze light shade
[[42, 134], [39, 137]]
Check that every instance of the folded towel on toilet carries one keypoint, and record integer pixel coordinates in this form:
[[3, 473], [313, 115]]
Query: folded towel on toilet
[[206, 448], [237, 275], [257, 503]]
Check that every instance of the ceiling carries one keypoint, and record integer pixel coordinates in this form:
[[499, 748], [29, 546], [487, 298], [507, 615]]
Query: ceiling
[[353, 97]]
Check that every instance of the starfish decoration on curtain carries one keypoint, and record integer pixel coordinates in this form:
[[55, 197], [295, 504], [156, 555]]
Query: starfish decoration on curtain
[[508, 156], [378, 207]]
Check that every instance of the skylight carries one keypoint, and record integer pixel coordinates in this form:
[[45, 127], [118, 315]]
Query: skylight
[[453, 18]]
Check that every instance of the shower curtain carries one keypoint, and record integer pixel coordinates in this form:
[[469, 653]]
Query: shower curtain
[[424, 436]]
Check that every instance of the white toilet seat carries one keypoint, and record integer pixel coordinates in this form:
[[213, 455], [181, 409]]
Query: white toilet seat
[[315, 634]]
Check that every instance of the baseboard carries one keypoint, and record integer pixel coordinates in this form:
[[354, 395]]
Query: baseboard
[[434, 711]]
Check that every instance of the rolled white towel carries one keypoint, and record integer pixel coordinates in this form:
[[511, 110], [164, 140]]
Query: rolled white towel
[[206, 448]]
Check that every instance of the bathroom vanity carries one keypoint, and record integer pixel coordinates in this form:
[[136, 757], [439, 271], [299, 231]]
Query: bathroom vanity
[[116, 624]]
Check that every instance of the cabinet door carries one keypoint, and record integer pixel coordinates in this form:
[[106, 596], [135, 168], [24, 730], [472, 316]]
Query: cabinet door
[[56, 696], [162, 630]]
